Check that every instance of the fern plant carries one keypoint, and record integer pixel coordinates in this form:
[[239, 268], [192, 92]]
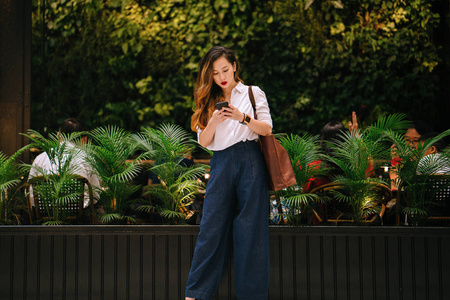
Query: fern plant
[[109, 154], [168, 145], [64, 154], [10, 179], [304, 152]]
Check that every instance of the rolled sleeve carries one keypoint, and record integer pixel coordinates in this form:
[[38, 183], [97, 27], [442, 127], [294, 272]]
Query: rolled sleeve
[[262, 106]]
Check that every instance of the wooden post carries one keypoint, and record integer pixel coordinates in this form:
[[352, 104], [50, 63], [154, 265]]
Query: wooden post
[[15, 61]]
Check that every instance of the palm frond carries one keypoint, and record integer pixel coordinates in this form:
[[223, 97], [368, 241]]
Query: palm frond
[[10, 179], [396, 122], [110, 137], [168, 142], [434, 164], [411, 211], [144, 143], [10, 171], [4, 186], [66, 199], [175, 133], [127, 174], [108, 218], [304, 152], [53, 223], [129, 219], [147, 208], [340, 196], [41, 142], [171, 215], [301, 199], [352, 155]]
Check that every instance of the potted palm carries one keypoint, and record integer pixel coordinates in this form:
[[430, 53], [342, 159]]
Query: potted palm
[[64, 155], [168, 146], [357, 154], [109, 155], [10, 179], [304, 152], [416, 189]]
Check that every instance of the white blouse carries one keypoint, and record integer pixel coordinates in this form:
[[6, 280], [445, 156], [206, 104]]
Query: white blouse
[[230, 131]]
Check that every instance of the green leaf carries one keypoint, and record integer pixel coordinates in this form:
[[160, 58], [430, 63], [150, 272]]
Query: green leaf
[[125, 48]]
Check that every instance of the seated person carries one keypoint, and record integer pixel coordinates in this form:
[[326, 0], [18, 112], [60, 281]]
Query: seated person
[[42, 163], [412, 136], [330, 133], [433, 162], [417, 129]]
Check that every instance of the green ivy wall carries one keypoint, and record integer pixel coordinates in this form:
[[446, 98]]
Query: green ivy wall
[[133, 63]]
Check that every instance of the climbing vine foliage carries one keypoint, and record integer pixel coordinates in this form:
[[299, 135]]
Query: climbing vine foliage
[[133, 63]]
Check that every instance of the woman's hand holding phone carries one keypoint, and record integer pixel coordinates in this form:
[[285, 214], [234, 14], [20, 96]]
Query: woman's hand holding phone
[[233, 113], [228, 111]]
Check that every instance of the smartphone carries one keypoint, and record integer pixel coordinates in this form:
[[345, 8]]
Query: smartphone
[[219, 105]]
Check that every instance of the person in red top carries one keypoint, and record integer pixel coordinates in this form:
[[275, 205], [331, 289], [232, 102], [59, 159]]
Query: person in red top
[[330, 133]]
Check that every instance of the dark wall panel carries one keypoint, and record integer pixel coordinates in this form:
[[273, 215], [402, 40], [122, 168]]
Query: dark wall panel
[[152, 262]]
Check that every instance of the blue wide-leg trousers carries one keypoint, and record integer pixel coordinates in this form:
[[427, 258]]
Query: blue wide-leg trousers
[[235, 212]]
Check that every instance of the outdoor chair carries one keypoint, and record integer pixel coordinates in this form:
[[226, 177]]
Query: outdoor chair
[[335, 212], [44, 194], [440, 193], [436, 196]]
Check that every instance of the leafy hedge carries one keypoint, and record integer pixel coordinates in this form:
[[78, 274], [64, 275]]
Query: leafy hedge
[[133, 63]]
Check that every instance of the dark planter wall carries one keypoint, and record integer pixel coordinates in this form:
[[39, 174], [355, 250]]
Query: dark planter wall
[[152, 262]]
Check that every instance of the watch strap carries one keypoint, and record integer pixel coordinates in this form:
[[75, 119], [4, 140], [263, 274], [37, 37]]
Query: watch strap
[[246, 119]]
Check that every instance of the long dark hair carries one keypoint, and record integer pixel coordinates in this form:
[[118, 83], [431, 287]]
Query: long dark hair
[[207, 93]]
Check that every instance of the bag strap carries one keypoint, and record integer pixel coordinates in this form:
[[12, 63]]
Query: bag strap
[[252, 100]]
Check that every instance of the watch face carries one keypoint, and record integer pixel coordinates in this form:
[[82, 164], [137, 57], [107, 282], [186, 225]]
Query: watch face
[[247, 119]]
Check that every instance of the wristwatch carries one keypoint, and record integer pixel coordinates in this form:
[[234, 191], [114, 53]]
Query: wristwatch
[[246, 120]]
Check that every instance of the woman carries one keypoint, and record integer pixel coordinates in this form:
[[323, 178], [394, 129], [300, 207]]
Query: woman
[[236, 202]]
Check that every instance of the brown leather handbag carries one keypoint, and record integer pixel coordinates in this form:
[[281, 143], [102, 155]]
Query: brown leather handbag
[[279, 168]]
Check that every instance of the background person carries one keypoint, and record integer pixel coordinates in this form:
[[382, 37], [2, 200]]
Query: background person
[[42, 162], [433, 162], [330, 133], [412, 136], [415, 131]]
